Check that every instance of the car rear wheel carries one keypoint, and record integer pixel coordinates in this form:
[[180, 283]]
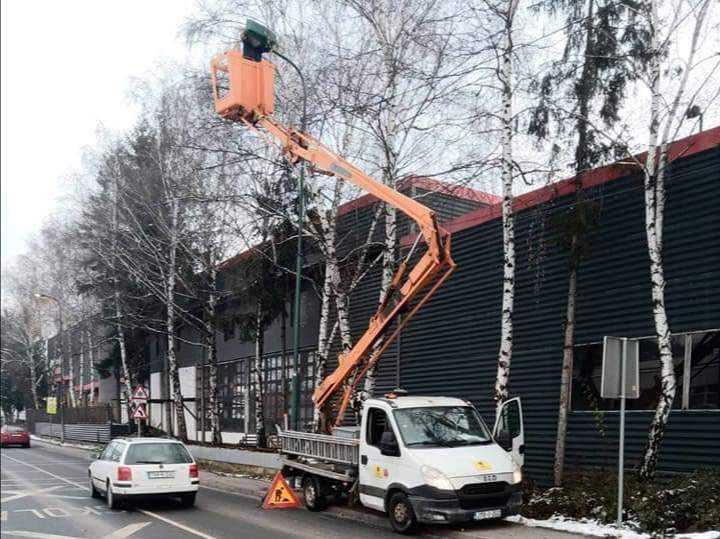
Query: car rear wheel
[[93, 491], [315, 499], [402, 516], [113, 500], [188, 500]]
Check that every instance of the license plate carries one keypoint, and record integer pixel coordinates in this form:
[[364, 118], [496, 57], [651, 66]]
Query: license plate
[[161, 475], [483, 515]]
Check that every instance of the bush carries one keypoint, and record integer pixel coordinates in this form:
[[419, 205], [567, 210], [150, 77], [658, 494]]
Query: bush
[[685, 503]]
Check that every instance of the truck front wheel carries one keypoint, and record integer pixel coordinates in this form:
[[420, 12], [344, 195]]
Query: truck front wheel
[[402, 516], [315, 499]]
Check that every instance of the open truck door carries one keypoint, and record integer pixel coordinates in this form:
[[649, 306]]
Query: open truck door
[[509, 432]]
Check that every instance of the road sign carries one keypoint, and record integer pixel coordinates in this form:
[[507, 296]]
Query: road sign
[[140, 412], [140, 394], [280, 495], [51, 405], [610, 383], [620, 380]]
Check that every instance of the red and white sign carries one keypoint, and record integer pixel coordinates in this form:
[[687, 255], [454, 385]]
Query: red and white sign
[[140, 395], [140, 412]]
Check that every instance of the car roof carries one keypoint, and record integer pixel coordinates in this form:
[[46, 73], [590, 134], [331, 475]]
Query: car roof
[[148, 440], [419, 401]]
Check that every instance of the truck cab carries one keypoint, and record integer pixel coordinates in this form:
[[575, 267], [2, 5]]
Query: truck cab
[[434, 460]]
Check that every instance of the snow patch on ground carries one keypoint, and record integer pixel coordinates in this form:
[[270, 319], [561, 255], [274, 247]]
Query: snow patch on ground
[[596, 529]]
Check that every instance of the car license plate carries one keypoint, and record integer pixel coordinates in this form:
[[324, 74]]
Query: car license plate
[[161, 475], [483, 515]]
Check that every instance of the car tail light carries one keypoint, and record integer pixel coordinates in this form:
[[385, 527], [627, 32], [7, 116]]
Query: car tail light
[[193, 470], [124, 473]]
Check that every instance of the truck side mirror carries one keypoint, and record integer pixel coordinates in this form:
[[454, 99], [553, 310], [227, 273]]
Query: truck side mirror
[[388, 445]]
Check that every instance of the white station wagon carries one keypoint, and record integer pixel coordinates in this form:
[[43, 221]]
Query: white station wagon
[[144, 467]]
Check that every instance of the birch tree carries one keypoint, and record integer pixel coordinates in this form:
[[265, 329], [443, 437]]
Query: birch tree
[[664, 124], [506, 14]]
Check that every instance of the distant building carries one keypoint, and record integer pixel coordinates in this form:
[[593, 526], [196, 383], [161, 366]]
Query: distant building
[[85, 354]]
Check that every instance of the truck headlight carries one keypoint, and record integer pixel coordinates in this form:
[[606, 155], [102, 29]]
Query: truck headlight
[[435, 478], [517, 476]]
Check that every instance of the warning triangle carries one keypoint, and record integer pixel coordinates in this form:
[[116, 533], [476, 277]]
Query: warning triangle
[[280, 495], [139, 412], [140, 394]]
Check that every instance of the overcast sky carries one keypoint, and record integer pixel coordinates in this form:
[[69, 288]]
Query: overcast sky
[[66, 70]]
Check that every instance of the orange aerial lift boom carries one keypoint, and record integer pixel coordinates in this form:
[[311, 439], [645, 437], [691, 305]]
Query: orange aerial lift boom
[[243, 92]]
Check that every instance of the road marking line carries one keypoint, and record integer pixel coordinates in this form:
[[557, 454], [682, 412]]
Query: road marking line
[[177, 524], [25, 493], [127, 531], [143, 511], [37, 535]]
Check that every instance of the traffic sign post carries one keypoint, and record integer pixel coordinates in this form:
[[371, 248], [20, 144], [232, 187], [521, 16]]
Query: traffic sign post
[[620, 379], [139, 398]]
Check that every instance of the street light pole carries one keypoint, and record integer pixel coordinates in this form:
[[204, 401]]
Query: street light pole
[[65, 357], [258, 39], [295, 392]]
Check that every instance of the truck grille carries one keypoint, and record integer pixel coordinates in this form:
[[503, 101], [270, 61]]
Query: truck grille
[[482, 495]]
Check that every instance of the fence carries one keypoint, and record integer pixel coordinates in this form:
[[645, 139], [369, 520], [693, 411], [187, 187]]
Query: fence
[[84, 424], [86, 414]]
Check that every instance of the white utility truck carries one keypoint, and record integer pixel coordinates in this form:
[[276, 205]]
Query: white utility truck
[[418, 459]]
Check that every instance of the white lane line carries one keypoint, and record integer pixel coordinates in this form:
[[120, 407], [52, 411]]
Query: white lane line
[[25, 493], [143, 511], [37, 535], [176, 524], [127, 531]]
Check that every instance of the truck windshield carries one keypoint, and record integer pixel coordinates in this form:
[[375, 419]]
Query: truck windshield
[[444, 426]]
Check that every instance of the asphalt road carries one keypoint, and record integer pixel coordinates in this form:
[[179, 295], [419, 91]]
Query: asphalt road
[[44, 494]]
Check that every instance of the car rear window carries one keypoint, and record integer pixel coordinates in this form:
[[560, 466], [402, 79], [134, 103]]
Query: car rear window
[[10, 428], [157, 453]]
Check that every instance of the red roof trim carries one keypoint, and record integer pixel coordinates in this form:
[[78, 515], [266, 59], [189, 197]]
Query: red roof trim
[[681, 148], [428, 184], [235, 260]]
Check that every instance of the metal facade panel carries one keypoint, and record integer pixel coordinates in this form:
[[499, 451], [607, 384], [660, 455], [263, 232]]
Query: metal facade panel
[[452, 344]]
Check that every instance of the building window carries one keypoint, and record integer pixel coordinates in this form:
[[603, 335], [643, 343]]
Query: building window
[[697, 372], [228, 328], [704, 371]]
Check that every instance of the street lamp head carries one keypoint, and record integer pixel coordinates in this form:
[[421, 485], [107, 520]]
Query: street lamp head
[[257, 39]]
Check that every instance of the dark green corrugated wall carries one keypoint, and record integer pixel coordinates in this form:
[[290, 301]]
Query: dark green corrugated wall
[[451, 346]]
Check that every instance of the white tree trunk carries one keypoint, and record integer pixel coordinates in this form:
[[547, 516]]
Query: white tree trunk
[[257, 376], [211, 350], [566, 378], [174, 374], [323, 340], [91, 364], [119, 329], [508, 297], [32, 367], [653, 192], [81, 374], [71, 368]]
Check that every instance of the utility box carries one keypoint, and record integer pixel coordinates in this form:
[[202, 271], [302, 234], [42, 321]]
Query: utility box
[[242, 88]]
